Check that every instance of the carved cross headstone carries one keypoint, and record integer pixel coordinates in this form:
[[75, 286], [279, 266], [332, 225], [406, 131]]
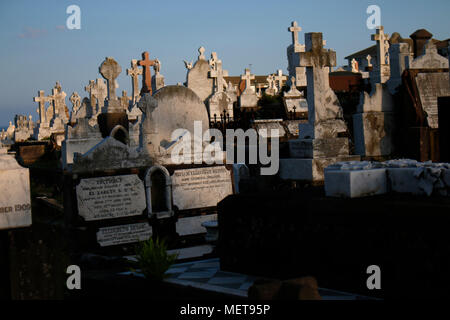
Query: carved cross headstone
[[100, 92], [219, 75], [214, 59], [157, 66], [124, 100], [134, 72], [247, 77], [382, 40], [382, 44], [90, 89], [294, 29], [110, 70], [42, 100], [59, 98], [76, 101], [369, 59], [316, 56], [279, 78], [322, 102], [146, 63]]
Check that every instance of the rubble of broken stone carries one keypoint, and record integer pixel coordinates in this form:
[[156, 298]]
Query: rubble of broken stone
[[401, 176]]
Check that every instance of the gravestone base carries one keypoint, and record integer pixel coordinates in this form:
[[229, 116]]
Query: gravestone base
[[374, 133], [326, 129], [42, 132], [355, 183], [311, 170], [107, 122], [318, 148], [248, 100]]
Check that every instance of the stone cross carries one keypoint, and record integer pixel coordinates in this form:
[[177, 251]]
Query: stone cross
[[214, 59], [295, 29], [316, 56], [76, 101], [124, 100], [382, 44], [134, 72], [146, 63], [100, 92], [201, 52], [322, 105], [110, 70], [247, 77], [219, 73], [369, 58], [42, 100], [280, 78], [59, 97], [271, 82], [157, 66], [89, 88]]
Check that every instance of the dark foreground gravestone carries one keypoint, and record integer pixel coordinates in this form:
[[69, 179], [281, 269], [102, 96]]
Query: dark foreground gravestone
[[288, 235], [15, 211]]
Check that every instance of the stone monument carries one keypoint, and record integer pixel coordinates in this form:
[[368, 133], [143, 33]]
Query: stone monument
[[319, 143]]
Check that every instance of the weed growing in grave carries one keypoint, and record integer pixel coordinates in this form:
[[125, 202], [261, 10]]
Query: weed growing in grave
[[153, 259]]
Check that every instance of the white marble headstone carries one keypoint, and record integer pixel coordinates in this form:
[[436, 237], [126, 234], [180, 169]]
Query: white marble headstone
[[15, 201]]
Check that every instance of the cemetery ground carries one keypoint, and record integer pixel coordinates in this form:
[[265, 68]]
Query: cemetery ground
[[267, 234]]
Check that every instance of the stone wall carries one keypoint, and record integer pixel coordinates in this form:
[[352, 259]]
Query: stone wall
[[296, 234]]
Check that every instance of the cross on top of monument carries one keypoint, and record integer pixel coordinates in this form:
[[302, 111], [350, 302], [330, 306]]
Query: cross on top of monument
[[219, 73], [110, 70], [134, 71], [316, 55], [382, 44], [380, 35], [214, 59], [295, 29], [279, 78], [42, 100], [89, 87], [146, 63], [247, 77]]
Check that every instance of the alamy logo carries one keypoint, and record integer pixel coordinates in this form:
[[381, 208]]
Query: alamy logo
[[207, 147], [374, 280], [74, 280], [74, 20], [374, 20]]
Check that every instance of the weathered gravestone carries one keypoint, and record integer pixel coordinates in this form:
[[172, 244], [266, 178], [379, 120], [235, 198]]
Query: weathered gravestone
[[99, 185], [248, 99], [15, 211], [320, 144], [15, 202], [424, 82], [374, 123], [294, 101], [198, 77], [220, 102]]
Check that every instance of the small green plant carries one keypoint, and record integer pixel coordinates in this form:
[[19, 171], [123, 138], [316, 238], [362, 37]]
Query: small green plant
[[153, 259]]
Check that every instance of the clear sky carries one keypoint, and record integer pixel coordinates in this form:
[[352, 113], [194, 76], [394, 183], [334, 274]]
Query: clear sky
[[37, 49]]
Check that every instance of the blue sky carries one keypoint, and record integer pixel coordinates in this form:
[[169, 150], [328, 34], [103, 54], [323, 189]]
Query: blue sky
[[37, 49]]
